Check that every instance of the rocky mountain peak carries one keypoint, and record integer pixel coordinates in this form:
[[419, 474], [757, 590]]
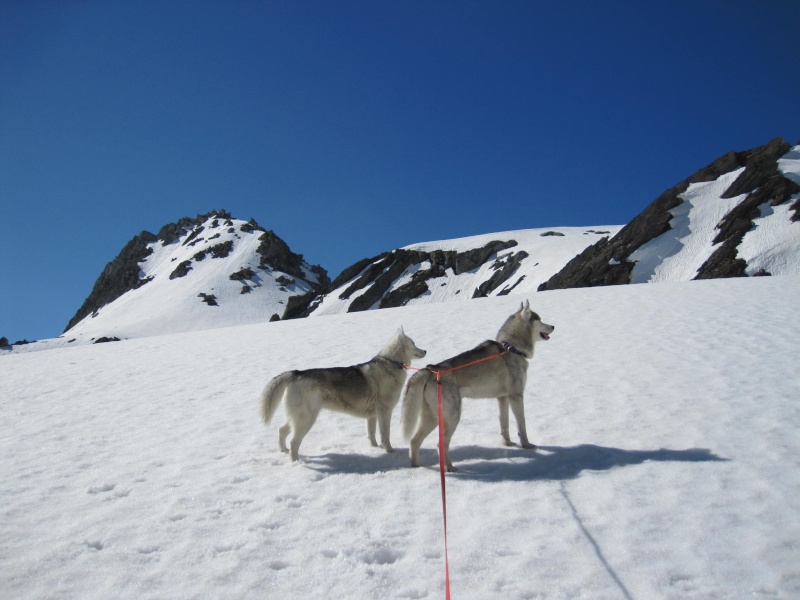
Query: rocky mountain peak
[[760, 184]]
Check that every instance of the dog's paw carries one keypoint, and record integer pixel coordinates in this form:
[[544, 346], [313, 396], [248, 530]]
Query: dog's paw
[[529, 446]]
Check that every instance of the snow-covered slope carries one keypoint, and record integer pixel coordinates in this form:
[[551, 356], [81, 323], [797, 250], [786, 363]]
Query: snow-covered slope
[[215, 271], [513, 262], [771, 246], [739, 216], [669, 463]]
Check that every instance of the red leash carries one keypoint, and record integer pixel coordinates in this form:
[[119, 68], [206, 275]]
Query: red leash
[[442, 452], [441, 477]]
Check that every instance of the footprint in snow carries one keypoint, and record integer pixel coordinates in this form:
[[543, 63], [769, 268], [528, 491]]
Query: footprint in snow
[[101, 489], [95, 545]]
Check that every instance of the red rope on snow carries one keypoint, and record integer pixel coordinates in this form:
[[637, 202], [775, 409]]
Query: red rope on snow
[[442, 452]]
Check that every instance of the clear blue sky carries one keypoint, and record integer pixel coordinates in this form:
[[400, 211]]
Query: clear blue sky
[[355, 127]]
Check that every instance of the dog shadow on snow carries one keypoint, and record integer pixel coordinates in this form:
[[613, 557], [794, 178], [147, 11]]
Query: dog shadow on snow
[[554, 463]]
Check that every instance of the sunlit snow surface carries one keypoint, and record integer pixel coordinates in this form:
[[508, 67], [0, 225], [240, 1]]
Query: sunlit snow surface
[[772, 245], [548, 251], [669, 464]]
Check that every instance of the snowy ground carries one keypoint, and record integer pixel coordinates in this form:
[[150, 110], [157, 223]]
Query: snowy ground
[[548, 251], [669, 464]]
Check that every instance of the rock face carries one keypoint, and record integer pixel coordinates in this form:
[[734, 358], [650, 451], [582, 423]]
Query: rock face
[[372, 280], [119, 276], [208, 237], [608, 261]]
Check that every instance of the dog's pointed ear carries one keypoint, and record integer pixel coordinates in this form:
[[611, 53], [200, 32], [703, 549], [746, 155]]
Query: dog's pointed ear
[[401, 331], [527, 304]]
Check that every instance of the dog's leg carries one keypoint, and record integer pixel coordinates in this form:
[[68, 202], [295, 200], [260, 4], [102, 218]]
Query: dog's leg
[[300, 427], [385, 421], [451, 413], [371, 424], [283, 433], [427, 423], [518, 407], [502, 403]]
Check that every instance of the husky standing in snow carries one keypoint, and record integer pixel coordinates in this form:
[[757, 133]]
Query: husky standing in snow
[[493, 369], [370, 390]]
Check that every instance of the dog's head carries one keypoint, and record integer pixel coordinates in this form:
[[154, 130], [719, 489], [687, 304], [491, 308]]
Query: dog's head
[[407, 346], [539, 329], [523, 329]]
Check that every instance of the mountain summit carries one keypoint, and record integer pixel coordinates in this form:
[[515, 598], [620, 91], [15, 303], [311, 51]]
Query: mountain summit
[[200, 273]]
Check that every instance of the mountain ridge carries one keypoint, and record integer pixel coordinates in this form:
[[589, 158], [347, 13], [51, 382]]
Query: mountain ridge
[[608, 262], [736, 217]]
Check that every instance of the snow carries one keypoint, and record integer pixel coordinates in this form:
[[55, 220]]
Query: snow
[[549, 250], [165, 305], [669, 464], [678, 254], [772, 244], [789, 164]]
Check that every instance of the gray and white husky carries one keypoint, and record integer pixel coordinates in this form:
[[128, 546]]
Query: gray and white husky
[[502, 377], [369, 390]]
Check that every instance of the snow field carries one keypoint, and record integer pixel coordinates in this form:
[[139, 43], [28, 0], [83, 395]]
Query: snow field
[[668, 465]]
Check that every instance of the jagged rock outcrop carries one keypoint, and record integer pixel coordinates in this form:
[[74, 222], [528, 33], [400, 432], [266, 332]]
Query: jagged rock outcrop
[[119, 276], [124, 273], [374, 277], [607, 262]]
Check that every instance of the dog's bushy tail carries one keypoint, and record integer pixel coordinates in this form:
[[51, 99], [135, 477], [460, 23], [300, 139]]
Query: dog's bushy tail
[[273, 394], [412, 401]]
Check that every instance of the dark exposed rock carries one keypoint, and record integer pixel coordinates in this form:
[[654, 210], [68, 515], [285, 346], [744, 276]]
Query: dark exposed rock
[[378, 274], [606, 262], [124, 274], [275, 253], [301, 305], [246, 289], [4, 342], [764, 184], [181, 270], [400, 297], [243, 274], [504, 270], [551, 233], [274, 318], [472, 259], [104, 340], [220, 250], [209, 299], [118, 277]]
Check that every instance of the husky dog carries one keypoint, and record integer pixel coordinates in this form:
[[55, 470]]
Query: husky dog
[[370, 390], [501, 375]]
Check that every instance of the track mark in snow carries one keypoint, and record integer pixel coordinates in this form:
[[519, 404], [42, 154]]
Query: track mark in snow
[[266, 525], [278, 565], [223, 548], [95, 545], [381, 555], [292, 500], [241, 479], [101, 489], [597, 550], [177, 517]]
